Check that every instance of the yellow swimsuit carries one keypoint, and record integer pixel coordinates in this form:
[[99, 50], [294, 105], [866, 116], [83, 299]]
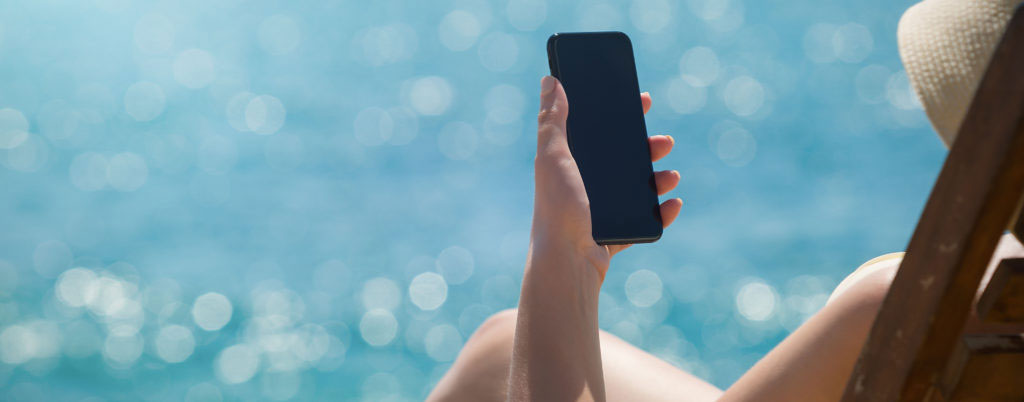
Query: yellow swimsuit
[[866, 269]]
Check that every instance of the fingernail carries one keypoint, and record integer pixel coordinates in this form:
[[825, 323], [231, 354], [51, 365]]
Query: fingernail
[[547, 100], [547, 84]]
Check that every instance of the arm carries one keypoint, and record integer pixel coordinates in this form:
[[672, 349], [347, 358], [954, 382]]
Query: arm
[[556, 354]]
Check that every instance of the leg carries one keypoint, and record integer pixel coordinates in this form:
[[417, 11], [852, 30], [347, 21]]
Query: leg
[[631, 374], [815, 361], [481, 371]]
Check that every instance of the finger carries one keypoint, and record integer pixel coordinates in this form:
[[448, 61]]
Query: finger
[[645, 99], [666, 180], [615, 249], [660, 145], [670, 211], [554, 108]]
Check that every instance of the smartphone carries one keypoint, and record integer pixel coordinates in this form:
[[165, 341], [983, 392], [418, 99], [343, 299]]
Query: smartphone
[[607, 134]]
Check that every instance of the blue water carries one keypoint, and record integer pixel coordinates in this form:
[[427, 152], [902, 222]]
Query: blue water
[[235, 200]]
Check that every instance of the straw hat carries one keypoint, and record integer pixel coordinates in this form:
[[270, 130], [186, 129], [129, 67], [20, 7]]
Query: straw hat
[[945, 46]]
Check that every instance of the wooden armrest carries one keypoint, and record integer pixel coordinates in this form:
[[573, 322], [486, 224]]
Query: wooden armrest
[[1018, 227], [1003, 299], [992, 370]]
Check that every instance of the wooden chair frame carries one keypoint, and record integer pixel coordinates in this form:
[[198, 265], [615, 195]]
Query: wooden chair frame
[[916, 349]]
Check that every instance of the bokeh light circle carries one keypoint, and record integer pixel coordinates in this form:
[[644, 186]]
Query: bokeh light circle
[[16, 344], [13, 128], [684, 97], [700, 66], [756, 301], [235, 110], [127, 172], [237, 364], [194, 68], [732, 143], [459, 30], [381, 293], [406, 125], [264, 115], [122, 350], [428, 291], [443, 342], [174, 343], [455, 264], [36, 339], [30, 155], [744, 95], [498, 51], [852, 43], [144, 101], [650, 16], [819, 43], [58, 120], [526, 15], [385, 44], [378, 327], [643, 288], [899, 92], [430, 96], [505, 103], [211, 311], [871, 83], [77, 287]]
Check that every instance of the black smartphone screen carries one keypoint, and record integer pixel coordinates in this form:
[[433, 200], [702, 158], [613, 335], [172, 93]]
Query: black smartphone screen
[[607, 134]]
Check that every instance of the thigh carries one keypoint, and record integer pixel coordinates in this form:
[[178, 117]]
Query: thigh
[[480, 373], [814, 362], [631, 374]]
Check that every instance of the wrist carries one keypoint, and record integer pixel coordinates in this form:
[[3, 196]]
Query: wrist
[[575, 243], [567, 265]]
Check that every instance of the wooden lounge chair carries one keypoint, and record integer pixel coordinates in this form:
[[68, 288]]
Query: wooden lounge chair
[[918, 348]]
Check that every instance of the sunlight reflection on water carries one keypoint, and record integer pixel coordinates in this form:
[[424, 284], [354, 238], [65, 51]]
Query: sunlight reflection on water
[[248, 200]]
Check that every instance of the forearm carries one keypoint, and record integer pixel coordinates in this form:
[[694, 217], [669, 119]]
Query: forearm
[[557, 354]]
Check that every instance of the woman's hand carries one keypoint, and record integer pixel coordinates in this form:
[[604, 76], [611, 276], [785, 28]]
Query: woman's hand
[[557, 351], [561, 217]]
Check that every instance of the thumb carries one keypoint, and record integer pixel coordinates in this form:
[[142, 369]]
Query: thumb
[[554, 109]]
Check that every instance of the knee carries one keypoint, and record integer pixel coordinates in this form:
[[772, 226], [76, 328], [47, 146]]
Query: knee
[[489, 349], [481, 370], [498, 328], [862, 293]]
